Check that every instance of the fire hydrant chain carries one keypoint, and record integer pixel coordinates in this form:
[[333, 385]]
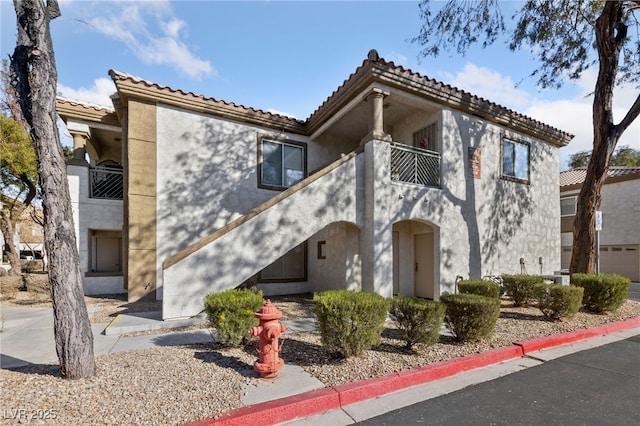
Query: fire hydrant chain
[[269, 330]]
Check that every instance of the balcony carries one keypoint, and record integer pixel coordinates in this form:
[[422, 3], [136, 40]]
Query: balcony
[[415, 165], [105, 183]]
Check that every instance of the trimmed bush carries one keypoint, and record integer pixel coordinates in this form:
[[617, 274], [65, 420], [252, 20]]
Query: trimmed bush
[[232, 314], [602, 293], [558, 301], [471, 317], [521, 288], [479, 287], [350, 322], [419, 320]]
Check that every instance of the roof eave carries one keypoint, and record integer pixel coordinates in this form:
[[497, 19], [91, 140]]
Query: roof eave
[[391, 75], [68, 109], [130, 88]]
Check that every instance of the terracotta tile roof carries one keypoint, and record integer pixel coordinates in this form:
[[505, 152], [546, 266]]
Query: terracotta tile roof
[[372, 70], [576, 176], [441, 86], [117, 75], [86, 105]]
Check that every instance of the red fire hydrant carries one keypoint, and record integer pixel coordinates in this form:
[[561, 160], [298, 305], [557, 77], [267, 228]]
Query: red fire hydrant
[[269, 330]]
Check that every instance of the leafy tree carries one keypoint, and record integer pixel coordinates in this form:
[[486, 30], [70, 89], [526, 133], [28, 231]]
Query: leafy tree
[[18, 180], [34, 78], [580, 159], [567, 37], [622, 156]]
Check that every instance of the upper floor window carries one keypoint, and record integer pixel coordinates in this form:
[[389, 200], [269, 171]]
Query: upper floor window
[[281, 164], [515, 160], [568, 206]]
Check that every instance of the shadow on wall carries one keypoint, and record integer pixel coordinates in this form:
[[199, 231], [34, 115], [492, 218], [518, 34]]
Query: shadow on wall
[[492, 209], [211, 186]]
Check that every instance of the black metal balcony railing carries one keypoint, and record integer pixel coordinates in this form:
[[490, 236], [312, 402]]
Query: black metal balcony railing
[[105, 183], [415, 165]]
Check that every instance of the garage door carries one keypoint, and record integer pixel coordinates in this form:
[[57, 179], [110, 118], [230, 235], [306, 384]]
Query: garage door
[[621, 260]]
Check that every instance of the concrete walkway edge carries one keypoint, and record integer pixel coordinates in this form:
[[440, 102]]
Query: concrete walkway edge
[[336, 397]]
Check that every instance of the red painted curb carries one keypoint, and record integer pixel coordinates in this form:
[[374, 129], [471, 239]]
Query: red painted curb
[[278, 410], [351, 393], [547, 342], [321, 400]]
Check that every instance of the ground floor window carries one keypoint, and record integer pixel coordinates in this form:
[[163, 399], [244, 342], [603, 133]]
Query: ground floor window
[[292, 267], [106, 251]]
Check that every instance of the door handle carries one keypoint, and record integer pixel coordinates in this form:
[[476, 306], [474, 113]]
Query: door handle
[[416, 266]]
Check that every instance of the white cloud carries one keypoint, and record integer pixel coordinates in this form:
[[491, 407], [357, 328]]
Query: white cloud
[[98, 94], [397, 58], [154, 35], [491, 85], [575, 116]]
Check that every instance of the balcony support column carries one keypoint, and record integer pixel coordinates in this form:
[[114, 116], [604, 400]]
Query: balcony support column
[[375, 98], [80, 139]]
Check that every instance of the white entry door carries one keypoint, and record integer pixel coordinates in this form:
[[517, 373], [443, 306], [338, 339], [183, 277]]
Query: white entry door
[[424, 266]]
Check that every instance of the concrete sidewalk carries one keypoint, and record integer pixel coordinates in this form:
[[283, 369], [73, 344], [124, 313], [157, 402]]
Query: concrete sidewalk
[[26, 337]]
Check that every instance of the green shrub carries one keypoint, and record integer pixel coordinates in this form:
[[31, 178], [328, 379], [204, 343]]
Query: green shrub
[[419, 320], [602, 293], [471, 317], [480, 287], [232, 314], [521, 288], [558, 301], [350, 322]]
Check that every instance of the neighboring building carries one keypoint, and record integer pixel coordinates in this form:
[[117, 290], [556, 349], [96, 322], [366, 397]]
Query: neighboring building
[[620, 207], [396, 184], [28, 236]]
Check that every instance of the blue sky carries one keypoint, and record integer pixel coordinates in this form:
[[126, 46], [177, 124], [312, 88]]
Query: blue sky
[[289, 56]]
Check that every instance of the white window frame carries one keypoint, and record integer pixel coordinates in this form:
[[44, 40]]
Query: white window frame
[[575, 199], [290, 144], [513, 174]]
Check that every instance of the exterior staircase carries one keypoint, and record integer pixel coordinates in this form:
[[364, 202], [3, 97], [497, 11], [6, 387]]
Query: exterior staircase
[[242, 248]]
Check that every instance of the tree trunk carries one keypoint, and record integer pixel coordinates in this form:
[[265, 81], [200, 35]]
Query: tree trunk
[[611, 32], [35, 75], [8, 231]]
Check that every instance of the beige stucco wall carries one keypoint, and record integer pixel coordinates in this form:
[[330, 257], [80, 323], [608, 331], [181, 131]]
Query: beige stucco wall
[[140, 151]]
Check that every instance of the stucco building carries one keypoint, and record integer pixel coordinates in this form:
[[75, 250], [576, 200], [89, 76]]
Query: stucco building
[[620, 207], [396, 184]]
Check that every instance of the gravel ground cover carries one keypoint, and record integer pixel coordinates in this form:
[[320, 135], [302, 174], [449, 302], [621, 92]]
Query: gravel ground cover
[[173, 385]]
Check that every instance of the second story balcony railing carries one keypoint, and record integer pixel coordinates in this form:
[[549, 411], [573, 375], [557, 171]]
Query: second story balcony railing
[[105, 183], [415, 165]]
